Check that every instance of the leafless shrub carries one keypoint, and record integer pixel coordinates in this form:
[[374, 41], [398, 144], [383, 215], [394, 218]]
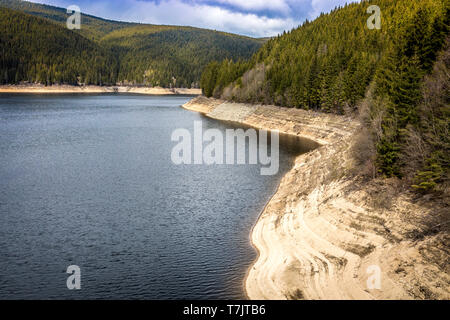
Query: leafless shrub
[[383, 196], [217, 93], [250, 88], [371, 113], [414, 153], [227, 93], [364, 155]]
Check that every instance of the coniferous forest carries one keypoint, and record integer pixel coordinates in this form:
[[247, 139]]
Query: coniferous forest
[[37, 47], [395, 77], [36, 50]]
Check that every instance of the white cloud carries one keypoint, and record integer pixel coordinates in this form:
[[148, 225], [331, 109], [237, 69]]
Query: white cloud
[[202, 15], [258, 5], [258, 18]]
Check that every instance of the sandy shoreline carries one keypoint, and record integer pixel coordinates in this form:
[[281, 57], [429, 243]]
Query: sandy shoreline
[[40, 89], [324, 229]]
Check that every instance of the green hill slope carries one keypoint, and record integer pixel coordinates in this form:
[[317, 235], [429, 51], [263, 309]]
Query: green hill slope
[[35, 50], [166, 55], [336, 63], [149, 54], [93, 28]]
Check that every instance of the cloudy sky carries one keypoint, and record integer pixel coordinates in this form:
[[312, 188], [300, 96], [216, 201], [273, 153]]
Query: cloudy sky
[[257, 18]]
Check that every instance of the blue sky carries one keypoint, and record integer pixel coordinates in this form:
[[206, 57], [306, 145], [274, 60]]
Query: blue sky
[[257, 18]]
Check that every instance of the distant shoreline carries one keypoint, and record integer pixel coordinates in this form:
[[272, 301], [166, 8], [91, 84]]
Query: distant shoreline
[[41, 89]]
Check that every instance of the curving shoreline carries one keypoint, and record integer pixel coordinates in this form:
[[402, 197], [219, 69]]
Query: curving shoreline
[[41, 89], [323, 230]]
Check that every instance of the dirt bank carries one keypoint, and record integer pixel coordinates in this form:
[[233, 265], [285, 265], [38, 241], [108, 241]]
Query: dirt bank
[[95, 89], [327, 230]]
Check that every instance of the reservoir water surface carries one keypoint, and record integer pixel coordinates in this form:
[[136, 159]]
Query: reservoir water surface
[[88, 180]]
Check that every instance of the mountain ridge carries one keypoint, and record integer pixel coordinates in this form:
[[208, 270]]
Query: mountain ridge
[[159, 55]]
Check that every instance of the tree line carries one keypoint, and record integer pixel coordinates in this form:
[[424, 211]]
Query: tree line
[[336, 62], [38, 48], [38, 51]]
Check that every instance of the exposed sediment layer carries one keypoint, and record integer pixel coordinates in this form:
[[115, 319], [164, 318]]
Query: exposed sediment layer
[[326, 232], [95, 89]]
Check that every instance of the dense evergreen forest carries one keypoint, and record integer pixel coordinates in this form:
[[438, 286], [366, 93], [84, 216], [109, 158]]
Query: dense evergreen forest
[[36, 50], [396, 77], [172, 56], [93, 28], [36, 46]]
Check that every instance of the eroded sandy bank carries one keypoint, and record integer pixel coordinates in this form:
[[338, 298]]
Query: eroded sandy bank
[[326, 232], [96, 89]]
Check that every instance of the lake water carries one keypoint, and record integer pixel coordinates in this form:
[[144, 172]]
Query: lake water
[[88, 180]]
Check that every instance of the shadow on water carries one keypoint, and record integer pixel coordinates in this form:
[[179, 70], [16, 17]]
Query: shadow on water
[[291, 144]]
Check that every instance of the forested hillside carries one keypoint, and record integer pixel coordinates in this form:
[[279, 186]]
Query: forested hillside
[[35, 50], [93, 28], [143, 54], [172, 56], [337, 64]]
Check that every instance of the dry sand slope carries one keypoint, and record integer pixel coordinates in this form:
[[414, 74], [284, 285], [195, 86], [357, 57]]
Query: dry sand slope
[[326, 229], [41, 89]]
